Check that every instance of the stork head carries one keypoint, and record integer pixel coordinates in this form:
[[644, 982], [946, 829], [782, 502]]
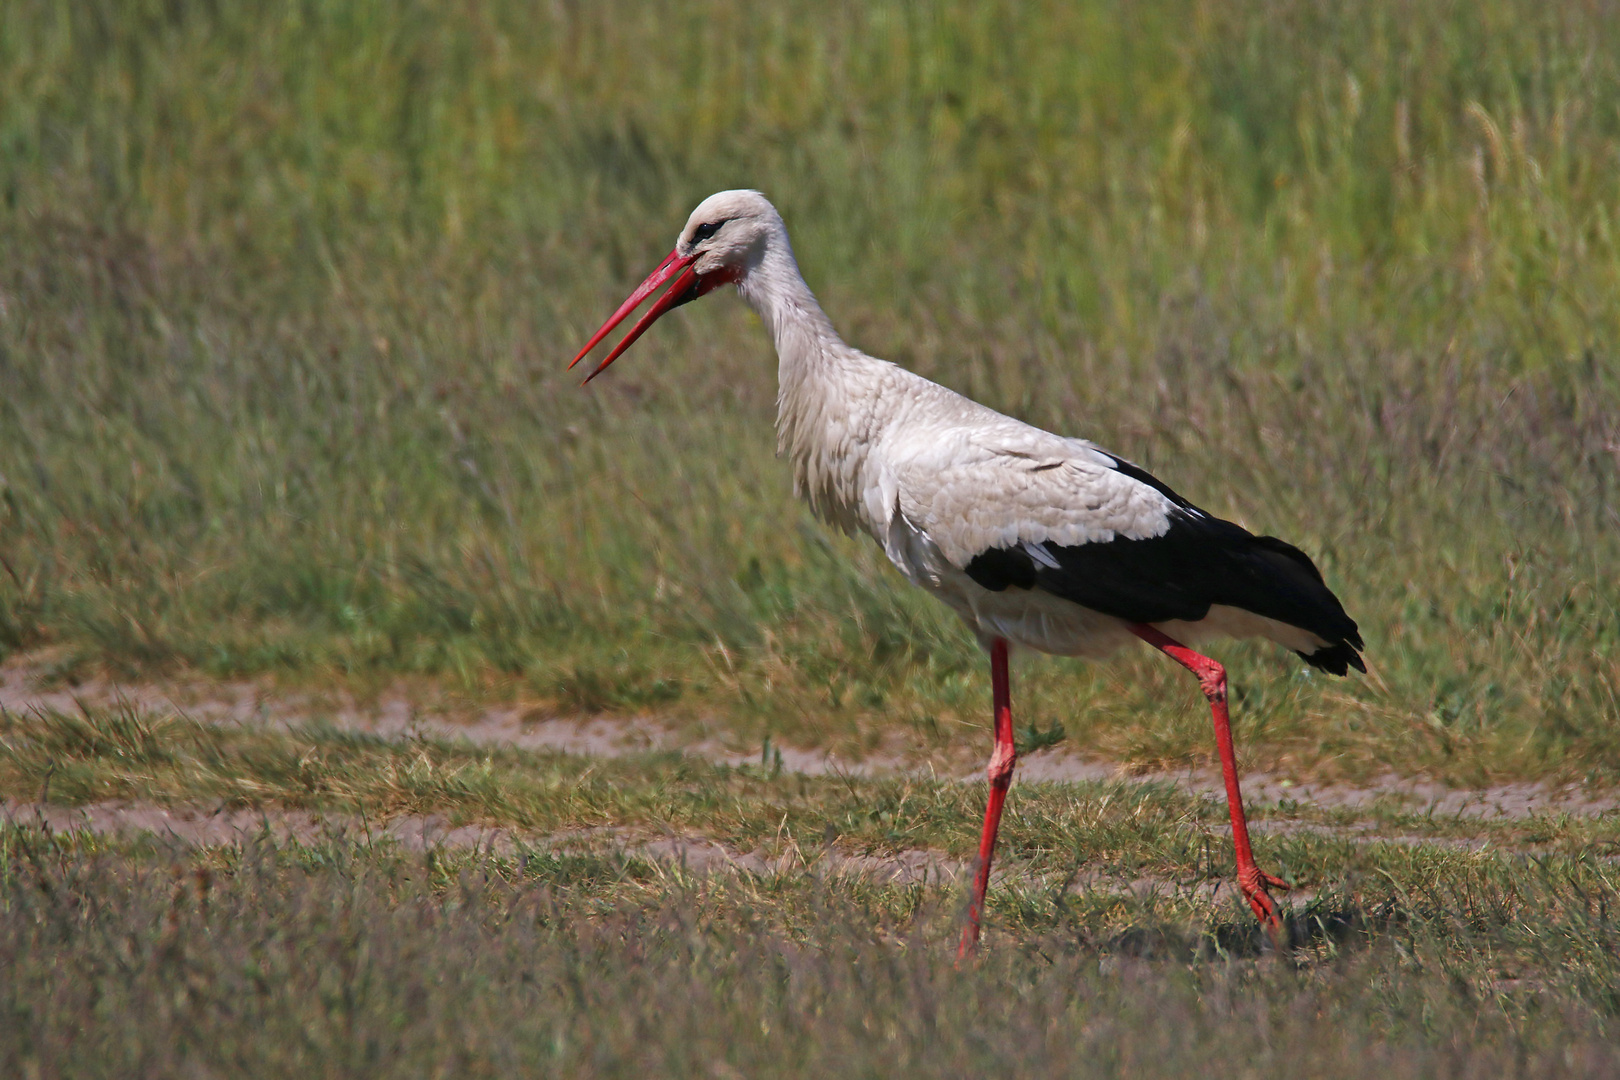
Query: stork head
[[723, 240]]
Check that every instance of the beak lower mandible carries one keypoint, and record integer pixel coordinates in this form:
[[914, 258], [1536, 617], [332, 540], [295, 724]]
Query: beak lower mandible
[[672, 265]]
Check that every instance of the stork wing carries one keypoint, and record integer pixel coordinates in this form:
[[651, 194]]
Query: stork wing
[[1007, 484], [1016, 507]]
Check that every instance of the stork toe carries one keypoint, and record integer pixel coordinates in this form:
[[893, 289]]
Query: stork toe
[[1254, 883]]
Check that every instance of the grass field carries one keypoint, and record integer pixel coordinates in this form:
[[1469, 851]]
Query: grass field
[[1426, 946], [337, 960], [286, 293]]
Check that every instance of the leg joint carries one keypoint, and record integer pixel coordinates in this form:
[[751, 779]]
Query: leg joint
[[1211, 678], [1002, 762], [1211, 675]]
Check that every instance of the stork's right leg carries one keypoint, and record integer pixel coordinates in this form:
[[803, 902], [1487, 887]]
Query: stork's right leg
[[1001, 771], [1212, 679]]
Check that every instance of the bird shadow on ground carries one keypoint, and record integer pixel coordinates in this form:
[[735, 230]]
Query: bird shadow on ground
[[1337, 927]]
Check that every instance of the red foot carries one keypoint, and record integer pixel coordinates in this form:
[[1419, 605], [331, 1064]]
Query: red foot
[[1253, 882]]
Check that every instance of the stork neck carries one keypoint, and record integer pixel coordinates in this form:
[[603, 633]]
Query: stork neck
[[776, 290], [816, 408], [812, 360]]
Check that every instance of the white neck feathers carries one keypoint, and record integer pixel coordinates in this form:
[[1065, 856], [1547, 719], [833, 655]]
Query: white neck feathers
[[824, 416]]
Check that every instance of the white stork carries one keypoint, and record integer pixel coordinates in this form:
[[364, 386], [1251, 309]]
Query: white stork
[[1034, 539]]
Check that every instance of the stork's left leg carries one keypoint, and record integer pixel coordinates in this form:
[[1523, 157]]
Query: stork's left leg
[[1001, 771], [1212, 678]]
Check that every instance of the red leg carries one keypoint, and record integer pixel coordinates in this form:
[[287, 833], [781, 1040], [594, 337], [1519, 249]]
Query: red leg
[[1212, 678], [1001, 771]]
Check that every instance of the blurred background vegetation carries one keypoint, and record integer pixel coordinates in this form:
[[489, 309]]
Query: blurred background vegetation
[[287, 290]]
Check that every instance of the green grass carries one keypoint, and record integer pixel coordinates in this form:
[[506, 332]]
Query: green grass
[[572, 955], [288, 290], [336, 960], [1108, 834]]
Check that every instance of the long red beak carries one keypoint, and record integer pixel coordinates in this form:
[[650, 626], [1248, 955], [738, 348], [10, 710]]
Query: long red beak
[[688, 286]]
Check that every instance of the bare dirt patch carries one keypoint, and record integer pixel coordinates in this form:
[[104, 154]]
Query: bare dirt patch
[[25, 687], [198, 826], [205, 827]]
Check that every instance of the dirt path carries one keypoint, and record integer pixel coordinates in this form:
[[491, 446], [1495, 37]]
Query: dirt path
[[196, 826], [395, 714], [191, 827]]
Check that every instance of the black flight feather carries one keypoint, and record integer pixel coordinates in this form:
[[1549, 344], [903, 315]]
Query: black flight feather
[[1200, 561]]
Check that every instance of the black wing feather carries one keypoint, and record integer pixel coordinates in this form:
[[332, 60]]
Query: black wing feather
[[1198, 562]]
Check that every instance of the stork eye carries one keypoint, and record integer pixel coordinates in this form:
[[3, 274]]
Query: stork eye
[[703, 232]]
